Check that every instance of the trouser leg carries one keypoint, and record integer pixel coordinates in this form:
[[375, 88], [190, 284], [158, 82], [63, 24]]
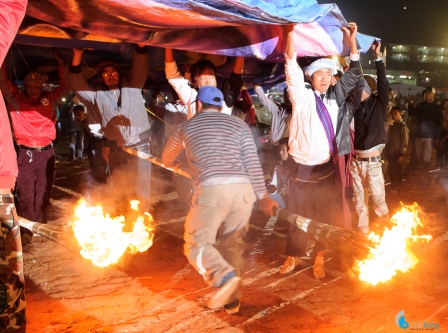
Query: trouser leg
[[26, 184], [211, 210], [12, 281], [360, 191], [44, 183], [376, 185]]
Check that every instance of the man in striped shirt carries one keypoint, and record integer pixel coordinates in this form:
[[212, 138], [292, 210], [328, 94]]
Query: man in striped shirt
[[227, 179]]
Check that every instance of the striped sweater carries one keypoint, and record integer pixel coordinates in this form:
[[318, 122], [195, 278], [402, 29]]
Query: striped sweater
[[220, 150]]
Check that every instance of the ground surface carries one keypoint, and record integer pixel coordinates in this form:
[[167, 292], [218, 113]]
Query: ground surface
[[158, 291]]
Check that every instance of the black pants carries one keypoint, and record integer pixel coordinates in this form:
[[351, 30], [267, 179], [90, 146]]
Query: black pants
[[317, 200], [395, 171]]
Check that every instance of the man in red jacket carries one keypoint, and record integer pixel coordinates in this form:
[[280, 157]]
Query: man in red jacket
[[33, 115], [12, 281]]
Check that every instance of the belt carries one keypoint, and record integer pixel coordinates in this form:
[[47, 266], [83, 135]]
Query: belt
[[36, 148], [312, 181], [368, 159]]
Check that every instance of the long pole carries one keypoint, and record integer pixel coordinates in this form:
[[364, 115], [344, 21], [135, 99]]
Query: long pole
[[63, 236], [334, 238], [155, 160]]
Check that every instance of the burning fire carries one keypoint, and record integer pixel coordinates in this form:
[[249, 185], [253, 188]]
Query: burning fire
[[391, 252], [102, 238]]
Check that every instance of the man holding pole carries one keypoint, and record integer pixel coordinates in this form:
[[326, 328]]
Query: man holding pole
[[12, 281], [227, 179]]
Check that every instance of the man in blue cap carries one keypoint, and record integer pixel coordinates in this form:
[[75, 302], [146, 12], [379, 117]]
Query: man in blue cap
[[227, 179]]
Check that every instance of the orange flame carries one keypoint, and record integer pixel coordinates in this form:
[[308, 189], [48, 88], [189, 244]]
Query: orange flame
[[391, 251], [102, 238]]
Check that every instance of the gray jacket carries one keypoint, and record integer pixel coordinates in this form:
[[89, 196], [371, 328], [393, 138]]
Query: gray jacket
[[120, 112]]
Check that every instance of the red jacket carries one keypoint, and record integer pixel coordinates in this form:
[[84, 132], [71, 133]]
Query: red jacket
[[34, 122], [11, 15]]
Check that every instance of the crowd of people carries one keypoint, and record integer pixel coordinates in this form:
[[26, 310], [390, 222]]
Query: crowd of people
[[333, 131]]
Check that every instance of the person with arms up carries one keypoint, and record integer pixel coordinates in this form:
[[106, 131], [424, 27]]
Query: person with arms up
[[203, 73], [227, 179], [12, 280], [318, 133], [281, 113], [116, 106], [370, 139], [33, 117]]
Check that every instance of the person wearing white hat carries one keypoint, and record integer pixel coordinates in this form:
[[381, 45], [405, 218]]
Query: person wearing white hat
[[320, 119]]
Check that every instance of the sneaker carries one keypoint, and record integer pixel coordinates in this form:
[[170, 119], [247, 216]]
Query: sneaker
[[232, 307], [228, 286], [318, 271], [289, 264]]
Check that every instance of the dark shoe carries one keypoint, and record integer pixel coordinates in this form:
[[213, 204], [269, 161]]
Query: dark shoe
[[26, 239], [232, 307], [228, 286]]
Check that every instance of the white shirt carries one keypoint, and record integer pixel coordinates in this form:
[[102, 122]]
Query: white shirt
[[186, 93], [307, 139]]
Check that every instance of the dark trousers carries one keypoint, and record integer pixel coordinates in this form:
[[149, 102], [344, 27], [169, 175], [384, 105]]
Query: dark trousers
[[442, 151], [130, 178], [34, 183], [395, 171], [316, 199]]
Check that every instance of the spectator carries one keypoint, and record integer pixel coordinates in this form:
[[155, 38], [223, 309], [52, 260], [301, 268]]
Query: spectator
[[97, 162], [429, 127], [76, 137], [278, 186], [397, 144], [442, 144]]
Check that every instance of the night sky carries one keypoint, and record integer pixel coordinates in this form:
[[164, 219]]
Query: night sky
[[423, 22]]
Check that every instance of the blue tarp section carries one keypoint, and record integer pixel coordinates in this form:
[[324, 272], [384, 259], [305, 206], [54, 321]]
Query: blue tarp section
[[248, 28]]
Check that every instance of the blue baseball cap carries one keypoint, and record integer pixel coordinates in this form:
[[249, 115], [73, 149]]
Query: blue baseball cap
[[210, 95]]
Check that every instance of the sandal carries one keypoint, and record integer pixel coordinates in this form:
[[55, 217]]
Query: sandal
[[318, 271]]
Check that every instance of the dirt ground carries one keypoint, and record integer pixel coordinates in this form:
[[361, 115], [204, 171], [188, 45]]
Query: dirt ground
[[158, 291]]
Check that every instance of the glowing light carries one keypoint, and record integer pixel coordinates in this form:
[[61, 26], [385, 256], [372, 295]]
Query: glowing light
[[102, 238], [391, 252]]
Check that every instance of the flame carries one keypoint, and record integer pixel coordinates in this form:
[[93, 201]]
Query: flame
[[391, 251], [102, 238]]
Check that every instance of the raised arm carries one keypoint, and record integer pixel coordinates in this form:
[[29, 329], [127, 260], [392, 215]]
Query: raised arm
[[349, 81], [233, 85], [382, 83], [288, 35], [265, 100], [76, 80], [62, 89], [294, 75], [182, 86], [140, 67]]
